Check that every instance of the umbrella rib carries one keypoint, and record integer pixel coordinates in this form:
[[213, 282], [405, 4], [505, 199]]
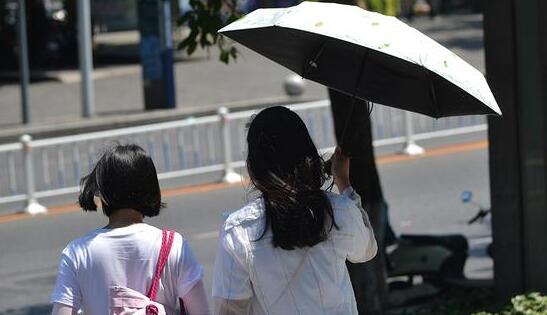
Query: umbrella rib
[[313, 63], [433, 94]]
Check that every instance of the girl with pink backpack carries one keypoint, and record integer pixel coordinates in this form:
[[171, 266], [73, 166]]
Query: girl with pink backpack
[[128, 266]]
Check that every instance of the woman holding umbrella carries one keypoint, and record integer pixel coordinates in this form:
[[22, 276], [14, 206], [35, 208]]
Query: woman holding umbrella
[[285, 252]]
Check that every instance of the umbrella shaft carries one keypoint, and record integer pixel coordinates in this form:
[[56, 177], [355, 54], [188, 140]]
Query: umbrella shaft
[[352, 104]]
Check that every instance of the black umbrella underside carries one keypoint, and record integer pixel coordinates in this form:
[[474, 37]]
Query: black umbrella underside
[[361, 72]]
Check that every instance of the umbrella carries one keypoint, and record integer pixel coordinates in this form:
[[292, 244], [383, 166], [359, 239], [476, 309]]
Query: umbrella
[[366, 55]]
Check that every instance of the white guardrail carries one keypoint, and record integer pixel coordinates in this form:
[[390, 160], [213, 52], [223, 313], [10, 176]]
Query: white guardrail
[[30, 170]]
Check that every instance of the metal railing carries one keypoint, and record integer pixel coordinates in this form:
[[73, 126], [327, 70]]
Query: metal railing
[[31, 170]]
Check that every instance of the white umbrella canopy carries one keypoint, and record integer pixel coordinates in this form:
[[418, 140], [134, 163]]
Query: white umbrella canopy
[[367, 55]]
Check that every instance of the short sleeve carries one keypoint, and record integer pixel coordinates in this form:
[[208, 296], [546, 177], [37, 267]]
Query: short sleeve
[[67, 290], [231, 278], [192, 271]]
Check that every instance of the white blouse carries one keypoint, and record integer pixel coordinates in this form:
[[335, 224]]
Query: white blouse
[[253, 277]]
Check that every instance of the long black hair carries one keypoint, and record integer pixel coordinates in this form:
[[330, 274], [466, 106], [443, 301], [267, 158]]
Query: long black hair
[[124, 177], [284, 165]]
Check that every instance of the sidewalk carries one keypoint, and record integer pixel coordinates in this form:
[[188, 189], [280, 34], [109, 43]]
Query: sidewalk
[[202, 82], [74, 125], [201, 85]]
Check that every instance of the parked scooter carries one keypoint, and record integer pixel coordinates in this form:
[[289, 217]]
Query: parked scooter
[[421, 266]]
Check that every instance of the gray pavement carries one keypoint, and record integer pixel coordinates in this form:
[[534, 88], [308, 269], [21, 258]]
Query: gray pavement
[[423, 195], [205, 81]]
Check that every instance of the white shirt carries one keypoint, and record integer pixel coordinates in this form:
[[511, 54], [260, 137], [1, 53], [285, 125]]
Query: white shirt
[[127, 257], [302, 281]]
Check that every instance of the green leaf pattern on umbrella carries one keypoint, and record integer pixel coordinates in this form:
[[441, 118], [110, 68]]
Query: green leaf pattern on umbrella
[[386, 45]]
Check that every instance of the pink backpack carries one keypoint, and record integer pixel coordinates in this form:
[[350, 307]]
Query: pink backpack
[[125, 301]]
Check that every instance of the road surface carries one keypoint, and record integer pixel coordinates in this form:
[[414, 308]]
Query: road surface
[[423, 195]]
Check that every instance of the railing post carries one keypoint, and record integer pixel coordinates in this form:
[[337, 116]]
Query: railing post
[[32, 206], [230, 176], [411, 148], [85, 56]]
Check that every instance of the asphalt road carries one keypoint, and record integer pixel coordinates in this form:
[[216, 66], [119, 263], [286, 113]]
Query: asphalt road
[[423, 195], [206, 81]]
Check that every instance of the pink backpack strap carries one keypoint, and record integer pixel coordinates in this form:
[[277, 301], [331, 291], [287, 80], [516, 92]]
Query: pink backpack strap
[[166, 244]]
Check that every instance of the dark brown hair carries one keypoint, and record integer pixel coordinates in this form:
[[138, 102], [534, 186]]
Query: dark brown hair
[[284, 165], [124, 177]]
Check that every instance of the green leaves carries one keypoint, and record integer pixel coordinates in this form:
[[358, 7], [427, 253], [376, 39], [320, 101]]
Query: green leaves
[[529, 304], [226, 54], [204, 20]]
